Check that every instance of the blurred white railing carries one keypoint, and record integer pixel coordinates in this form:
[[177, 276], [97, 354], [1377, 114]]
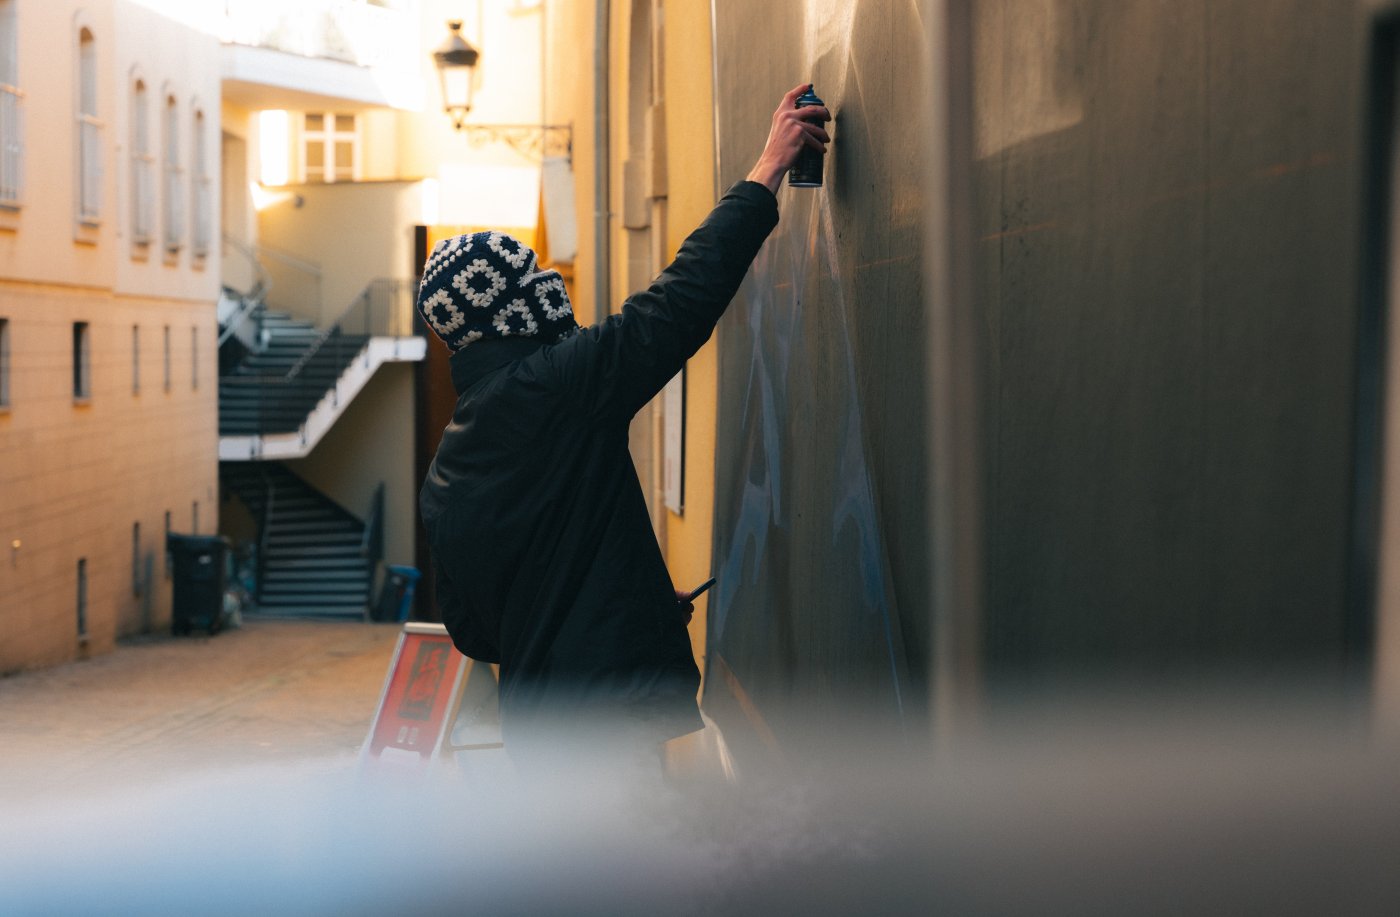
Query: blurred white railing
[[352, 31]]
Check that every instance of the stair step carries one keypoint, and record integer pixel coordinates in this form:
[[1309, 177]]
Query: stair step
[[335, 580]]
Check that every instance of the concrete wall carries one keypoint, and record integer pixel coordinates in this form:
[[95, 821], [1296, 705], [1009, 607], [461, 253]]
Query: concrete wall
[[1164, 274], [1166, 217], [370, 443], [820, 526], [354, 232], [75, 475]]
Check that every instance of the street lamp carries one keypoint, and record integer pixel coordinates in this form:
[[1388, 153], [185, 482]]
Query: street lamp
[[456, 65]]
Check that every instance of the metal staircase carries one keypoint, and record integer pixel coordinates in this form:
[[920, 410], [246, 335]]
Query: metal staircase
[[273, 389], [315, 559]]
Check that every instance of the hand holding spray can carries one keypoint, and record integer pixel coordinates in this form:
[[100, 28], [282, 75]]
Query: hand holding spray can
[[807, 172]]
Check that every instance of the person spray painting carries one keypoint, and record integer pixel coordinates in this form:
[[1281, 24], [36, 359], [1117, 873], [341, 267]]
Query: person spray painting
[[542, 546]]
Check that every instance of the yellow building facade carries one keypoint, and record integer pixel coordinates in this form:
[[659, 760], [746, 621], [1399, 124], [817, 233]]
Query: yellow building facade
[[109, 275]]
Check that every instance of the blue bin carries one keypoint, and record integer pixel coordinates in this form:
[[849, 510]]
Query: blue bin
[[396, 596]]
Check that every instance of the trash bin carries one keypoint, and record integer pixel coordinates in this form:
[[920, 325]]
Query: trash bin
[[396, 595], [198, 571]]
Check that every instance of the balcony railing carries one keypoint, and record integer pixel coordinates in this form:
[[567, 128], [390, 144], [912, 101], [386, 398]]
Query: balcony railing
[[352, 31], [11, 145], [90, 164]]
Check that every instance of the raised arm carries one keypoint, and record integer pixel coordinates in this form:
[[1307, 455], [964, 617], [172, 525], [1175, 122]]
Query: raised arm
[[618, 365]]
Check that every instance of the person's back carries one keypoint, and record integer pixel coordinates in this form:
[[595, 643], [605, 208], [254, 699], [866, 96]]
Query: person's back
[[543, 551]]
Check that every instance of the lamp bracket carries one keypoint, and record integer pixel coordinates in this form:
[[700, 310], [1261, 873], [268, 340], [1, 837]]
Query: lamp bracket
[[533, 141]]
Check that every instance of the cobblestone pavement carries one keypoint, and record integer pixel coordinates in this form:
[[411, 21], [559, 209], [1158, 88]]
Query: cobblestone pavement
[[270, 691]]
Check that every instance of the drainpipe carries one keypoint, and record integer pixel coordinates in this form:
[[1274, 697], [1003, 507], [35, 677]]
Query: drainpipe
[[602, 268]]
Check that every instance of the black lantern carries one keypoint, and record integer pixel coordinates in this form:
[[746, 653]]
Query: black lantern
[[456, 65]]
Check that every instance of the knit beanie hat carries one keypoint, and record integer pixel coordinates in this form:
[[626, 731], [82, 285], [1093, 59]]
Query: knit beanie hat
[[488, 285]]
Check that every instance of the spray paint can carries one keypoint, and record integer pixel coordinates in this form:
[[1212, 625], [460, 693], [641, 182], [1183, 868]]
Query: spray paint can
[[807, 171]]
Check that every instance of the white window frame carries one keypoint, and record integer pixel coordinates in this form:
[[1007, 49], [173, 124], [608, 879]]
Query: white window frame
[[202, 191], [4, 363], [11, 111], [88, 131], [174, 176], [143, 166], [327, 137]]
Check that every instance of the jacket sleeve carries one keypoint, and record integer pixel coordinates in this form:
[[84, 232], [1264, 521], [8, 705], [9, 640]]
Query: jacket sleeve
[[618, 365]]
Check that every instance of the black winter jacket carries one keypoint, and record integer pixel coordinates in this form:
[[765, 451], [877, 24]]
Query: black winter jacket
[[543, 550]]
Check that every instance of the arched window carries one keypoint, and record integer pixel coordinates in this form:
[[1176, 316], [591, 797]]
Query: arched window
[[11, 114], [174, 179], [143, 165], [89, 132], [203, 184]]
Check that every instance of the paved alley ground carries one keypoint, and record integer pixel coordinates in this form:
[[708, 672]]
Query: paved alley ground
[[269, 691]]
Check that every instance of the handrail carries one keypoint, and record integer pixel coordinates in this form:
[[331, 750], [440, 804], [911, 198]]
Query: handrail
[[372, 544], [287, 258], [266, 525], [366, 298], [255, 299], [382, 308]]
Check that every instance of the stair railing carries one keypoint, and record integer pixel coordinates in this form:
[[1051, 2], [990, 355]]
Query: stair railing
[[372, 543], [383, 308], [263, 535], [253, 302], [300, 282]]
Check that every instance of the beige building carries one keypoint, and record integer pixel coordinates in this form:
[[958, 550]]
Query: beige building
[[109, 273]]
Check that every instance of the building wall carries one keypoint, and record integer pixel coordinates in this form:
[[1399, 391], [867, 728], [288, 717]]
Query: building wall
[[372, 443], [354, 232], [74, 477], [821, 542], [76, 474]]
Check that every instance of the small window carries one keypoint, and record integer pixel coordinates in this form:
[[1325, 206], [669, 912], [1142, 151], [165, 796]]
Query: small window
[[203, 188], [135, 359], [330, 147], [4, 363], [166, 351], [82, 362], [174, 179], [143, 165], [82, 599], [135, 558], [89, 133], [11, 112]]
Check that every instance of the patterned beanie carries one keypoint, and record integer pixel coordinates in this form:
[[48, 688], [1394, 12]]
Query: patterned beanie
[[488, 285]]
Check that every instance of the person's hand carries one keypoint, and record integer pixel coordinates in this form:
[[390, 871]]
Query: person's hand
[[684, 603], [793, 130]]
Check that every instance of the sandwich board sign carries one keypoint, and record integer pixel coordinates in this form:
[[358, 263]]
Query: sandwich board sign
[[436, 705]]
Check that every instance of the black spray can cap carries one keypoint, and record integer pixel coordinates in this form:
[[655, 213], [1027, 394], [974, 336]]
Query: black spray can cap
[[807, 171]]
